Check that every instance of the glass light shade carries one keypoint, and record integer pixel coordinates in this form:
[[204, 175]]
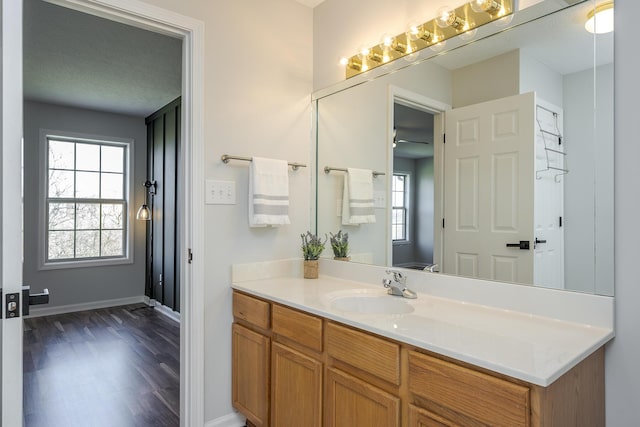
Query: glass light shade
[[445, 16], [600, 20], [144, 213], [489, 6]]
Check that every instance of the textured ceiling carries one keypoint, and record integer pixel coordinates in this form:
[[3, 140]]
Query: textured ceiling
[[80, 60]]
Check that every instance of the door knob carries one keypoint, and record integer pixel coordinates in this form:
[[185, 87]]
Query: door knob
[[524, 245]]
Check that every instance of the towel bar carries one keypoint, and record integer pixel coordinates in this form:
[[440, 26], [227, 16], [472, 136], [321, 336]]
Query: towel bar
[[226, 157], [328, 169]]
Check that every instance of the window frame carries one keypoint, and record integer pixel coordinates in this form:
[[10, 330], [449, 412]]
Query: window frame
[[128, 200], [406, 207]]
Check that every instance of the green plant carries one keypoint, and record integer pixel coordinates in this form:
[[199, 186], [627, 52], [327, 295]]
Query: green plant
[[340, 244], [312, 246]]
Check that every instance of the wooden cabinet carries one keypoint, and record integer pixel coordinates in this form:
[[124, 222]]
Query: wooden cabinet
[[419, 417], [250, 374], [351, 402], [465, 395], [296, 388], [292, 368]]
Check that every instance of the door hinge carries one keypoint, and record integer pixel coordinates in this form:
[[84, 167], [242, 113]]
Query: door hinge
[[189, 256], [559, 221], [444, 138], [442, 222]]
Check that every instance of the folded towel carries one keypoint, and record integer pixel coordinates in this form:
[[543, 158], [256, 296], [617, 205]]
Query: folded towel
[[357, 198], [268, 192]]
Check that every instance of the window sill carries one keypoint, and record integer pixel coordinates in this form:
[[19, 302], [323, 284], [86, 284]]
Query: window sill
[[63, 265], [401, 243]]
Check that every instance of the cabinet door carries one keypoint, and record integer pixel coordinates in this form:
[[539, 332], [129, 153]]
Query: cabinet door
[[250, 371], [351, 402], [419, 417], [296, 388]]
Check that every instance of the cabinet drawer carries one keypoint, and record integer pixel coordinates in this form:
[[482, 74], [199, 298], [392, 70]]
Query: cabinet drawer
[[251, 310], [364, 351], [472, 394], [302, 328]]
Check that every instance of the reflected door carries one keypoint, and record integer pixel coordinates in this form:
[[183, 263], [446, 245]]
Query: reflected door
[[489, 190]]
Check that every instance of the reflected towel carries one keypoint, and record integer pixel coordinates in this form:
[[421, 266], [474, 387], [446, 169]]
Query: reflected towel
[[357, 197], [268, 192]]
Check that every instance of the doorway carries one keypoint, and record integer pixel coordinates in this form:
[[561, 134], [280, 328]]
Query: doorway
[[412, 189], [191, 32]]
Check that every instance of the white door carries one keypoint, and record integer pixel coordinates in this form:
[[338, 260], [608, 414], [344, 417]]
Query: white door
[[489, 189], [548, 267], [11, 214]]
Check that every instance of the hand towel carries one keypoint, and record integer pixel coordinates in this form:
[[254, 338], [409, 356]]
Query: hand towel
[[268, 192], [357, 197]]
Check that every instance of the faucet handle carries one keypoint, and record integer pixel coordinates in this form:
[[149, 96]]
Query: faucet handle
[[397, 276]]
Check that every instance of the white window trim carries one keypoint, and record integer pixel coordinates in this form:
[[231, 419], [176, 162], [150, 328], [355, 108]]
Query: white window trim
[[42, 195], [407, 240]]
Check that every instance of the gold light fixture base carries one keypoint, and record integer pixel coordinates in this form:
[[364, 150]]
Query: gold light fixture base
[[403, 44]]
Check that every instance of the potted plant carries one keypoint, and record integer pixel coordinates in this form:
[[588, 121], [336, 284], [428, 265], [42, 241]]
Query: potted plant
[[340, 245], [312, 247]]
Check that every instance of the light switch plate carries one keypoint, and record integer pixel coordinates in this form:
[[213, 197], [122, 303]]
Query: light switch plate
[[380, 199], [220, 192]]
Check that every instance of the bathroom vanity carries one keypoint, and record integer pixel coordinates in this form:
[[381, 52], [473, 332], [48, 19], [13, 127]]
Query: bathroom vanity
[[339, 352]]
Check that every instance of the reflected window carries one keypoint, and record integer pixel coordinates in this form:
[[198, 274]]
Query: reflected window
[[399, 197], [85, 200]]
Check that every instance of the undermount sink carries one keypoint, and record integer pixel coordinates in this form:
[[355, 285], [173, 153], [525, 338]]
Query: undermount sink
[[370, 302]]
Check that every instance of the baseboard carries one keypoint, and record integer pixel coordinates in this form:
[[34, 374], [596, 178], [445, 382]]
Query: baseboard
[[61, 309], [164, 310], [230, 420]]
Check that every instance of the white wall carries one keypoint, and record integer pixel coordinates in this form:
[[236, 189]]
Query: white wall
[[87, 284], [589, 148], [467, 91], [258, 68], [623, 353], [537, 77]]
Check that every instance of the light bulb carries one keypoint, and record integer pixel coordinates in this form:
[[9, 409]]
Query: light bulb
[[144, 213], [414, 31], [490, 6], [444, 15], [344, 61], [448, 18]]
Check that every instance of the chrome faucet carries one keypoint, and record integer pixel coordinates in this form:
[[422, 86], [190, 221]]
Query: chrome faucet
[[398, 279], [432, 268]]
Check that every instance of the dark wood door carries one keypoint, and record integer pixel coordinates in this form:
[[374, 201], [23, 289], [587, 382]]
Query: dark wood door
[[163, 147]]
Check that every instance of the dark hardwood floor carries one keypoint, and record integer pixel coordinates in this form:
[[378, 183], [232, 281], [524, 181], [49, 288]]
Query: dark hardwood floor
[[113, 367]]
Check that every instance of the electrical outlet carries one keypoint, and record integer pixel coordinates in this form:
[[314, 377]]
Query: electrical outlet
[[220, 192]]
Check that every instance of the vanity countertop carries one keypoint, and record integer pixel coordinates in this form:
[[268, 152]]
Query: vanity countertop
[[532, 348]]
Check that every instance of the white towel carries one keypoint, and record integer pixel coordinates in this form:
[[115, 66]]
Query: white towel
[[268, 192], [357, 197]]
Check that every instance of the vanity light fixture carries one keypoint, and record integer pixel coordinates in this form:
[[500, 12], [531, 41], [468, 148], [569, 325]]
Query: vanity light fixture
[[600, 19], [449, 23], [144, 213], [448, 18]]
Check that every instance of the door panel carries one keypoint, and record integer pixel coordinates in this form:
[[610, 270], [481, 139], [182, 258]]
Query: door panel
[[549, 193], [489, 189], [11, 254]]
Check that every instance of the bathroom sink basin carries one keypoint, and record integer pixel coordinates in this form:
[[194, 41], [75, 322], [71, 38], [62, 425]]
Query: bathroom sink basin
[[371, 303]]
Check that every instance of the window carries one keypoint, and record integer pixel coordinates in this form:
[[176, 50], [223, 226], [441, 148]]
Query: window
[[86, 203], [399, 196]]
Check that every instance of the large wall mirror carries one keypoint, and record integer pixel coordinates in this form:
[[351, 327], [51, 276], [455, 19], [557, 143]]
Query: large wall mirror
[[493, 159]]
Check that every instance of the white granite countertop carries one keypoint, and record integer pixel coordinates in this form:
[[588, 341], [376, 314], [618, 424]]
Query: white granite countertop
[[531, 348]]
